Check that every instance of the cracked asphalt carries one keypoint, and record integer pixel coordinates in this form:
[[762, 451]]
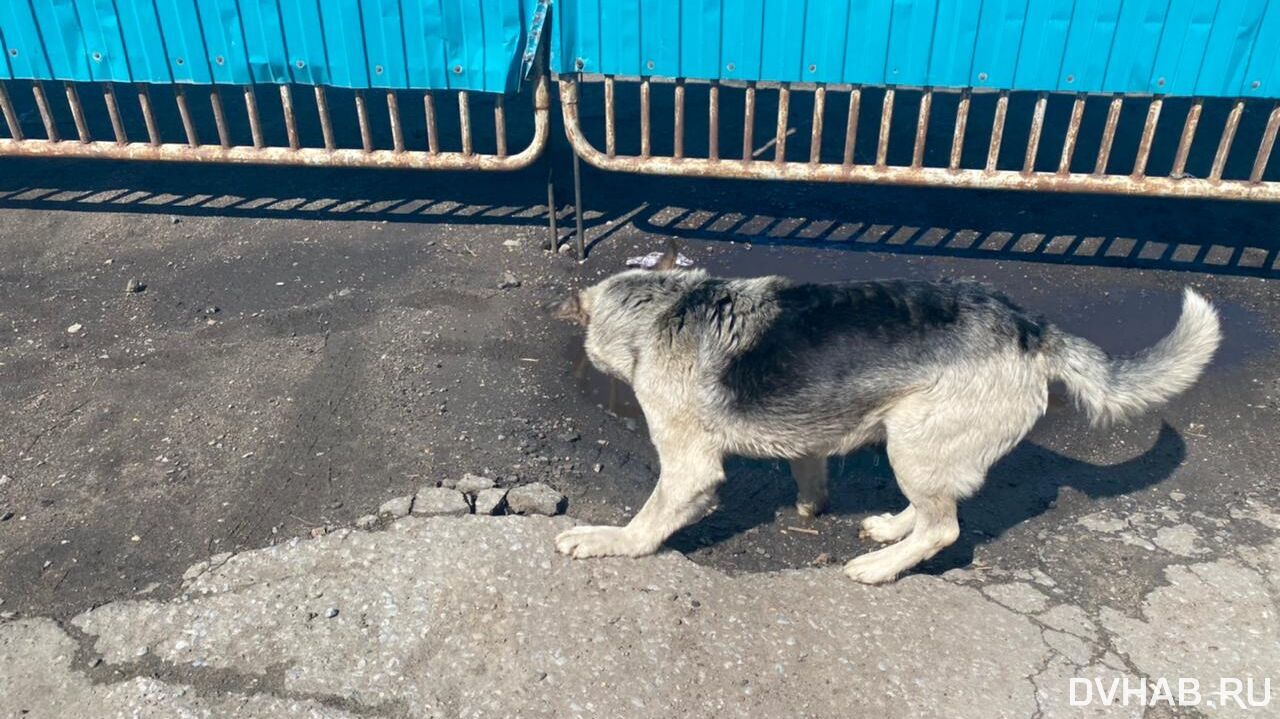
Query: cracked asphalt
[[310, 344]]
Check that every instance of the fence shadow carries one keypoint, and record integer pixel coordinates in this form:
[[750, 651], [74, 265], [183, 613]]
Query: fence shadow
[[1215, 237]]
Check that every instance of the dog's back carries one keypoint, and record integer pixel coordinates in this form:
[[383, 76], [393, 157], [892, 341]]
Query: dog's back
[[789, 368]]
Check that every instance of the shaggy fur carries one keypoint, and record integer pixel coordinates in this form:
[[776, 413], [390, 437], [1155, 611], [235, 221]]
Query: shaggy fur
[[949, 375]]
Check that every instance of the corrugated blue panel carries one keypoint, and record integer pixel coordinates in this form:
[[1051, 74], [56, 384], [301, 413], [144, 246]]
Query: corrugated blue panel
[[1202, 47], [180, 26], [64, 48], [951, 64], [699, 38], [1231, 43], [825, 42], [784, 60], [659, 37], [620, 40], [1088, 46], [265, 50], [1044, 42], [1263, 74], [425, 44], [911, 31], [1183, 46], [741, 50], [22, 47], [1133, 54], [101, 37], [383, 33], [224, 41], [867, 43], [995, 57]]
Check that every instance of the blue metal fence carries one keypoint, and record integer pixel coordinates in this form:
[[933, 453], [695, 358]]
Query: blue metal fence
[[410, 44], [1225, 48]]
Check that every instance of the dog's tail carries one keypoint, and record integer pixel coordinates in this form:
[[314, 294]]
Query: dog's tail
[[1111, 389]]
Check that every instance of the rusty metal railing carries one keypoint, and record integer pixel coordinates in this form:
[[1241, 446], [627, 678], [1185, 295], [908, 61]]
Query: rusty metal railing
[[192, 148], [751, 163]]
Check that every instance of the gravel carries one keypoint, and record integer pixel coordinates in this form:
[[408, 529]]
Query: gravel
[[473, 484], [440, 501], [536, 498], [491, 501], [398, 507]]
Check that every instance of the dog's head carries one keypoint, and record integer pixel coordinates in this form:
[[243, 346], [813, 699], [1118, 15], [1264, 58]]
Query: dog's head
[[619, 310], [577, 307]]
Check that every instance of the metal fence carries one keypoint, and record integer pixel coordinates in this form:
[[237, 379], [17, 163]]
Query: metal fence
[[1157, 97], [1027, 165], [243, 137]]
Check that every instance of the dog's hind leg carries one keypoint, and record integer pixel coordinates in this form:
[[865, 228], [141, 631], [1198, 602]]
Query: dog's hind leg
[[934, 526], [940, 445], [810, 474], [686, 486]]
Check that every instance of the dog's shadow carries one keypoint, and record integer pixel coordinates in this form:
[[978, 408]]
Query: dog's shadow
[[1023, 485]]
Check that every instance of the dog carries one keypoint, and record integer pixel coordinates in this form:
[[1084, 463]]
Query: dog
[[950, 376]]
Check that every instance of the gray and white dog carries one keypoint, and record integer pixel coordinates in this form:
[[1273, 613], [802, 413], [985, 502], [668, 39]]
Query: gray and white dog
[[950, 375]]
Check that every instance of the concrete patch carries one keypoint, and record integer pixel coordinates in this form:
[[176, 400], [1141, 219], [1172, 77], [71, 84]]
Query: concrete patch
[[479, 616], [37, 680], [1180, 539], [1212, 620]]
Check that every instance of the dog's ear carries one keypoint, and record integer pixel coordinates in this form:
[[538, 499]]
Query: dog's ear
[[571, 310], [670, 258]]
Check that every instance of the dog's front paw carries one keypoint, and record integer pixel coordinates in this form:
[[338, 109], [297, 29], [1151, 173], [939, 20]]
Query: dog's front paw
[[872, 569], [583, 542]]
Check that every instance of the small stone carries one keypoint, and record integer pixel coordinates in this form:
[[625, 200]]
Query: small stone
[[133, 286], [449, 483], [440, 501], [473, 484], [6, 516], [536, 498], [597, 468], [331, 612], [509, 281], [822, 560], [75, 328], [398, 507], [630, 423], [367, 521], [511, 243], [6, 616], [317, 532], [175, 219], [491, 501], [5, 479], [569, 436]]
